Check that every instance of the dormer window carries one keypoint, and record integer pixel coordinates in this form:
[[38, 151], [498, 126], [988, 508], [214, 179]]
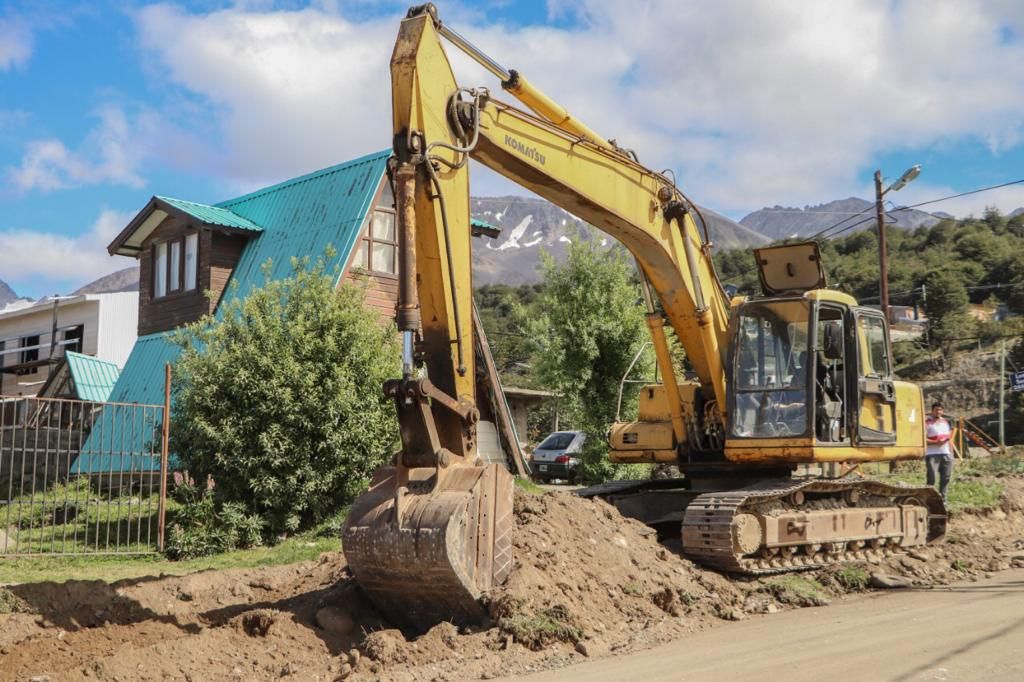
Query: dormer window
[[377, 250], [175, 265]]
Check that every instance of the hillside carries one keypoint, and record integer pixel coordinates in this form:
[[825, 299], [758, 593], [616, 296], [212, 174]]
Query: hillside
[[122, 280], [531, 225], [7, 294], [782, 222]]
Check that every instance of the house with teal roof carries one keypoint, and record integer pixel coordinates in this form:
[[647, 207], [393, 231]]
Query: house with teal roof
[[186, 249]]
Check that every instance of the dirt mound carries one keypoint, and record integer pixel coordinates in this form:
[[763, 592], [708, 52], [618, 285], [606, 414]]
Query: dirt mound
[[586, 583]]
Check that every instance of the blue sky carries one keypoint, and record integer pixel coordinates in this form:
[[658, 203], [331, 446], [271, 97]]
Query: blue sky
[[793, 103]]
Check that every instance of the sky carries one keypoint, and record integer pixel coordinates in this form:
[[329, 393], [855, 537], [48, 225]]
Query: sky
[[751, 103]]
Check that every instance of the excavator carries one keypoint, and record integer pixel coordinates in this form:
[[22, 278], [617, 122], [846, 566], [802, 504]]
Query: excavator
[[800, 375]]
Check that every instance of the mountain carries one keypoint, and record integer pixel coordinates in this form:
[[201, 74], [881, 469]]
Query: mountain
[[122, 280], [530, 226], [7, 294], [1016, 212], [781, 222]]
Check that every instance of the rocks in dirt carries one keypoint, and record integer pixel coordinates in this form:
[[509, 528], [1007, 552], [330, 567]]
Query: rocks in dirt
[[257, 623], [668, 601], [334, 620], [759, 602], [888, 582], [384, 646], [918, 554]]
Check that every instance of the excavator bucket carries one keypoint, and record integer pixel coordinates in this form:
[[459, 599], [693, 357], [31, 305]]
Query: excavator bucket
[[425, 551]]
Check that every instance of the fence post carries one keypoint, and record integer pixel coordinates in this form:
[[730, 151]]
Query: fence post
[[162, 509]]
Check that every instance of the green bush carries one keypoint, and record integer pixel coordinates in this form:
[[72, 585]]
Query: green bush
[[279, 399], [202, 525]]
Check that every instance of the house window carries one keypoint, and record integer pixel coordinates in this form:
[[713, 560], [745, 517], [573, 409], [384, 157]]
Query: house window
[[191, 260], [175, 264], [32, 344], [378, 247], [73, 339]]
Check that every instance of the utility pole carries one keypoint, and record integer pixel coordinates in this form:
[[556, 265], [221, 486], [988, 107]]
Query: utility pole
[[883, 251], [883, 248], [1002, 399]]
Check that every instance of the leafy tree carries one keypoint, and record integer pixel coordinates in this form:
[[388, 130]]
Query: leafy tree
[[994, 218], [587, 327], [279, 399], [946, 308]]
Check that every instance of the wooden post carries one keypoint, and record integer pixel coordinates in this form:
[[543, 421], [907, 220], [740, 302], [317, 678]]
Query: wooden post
[[164, 441], [883, 250], [963, 439], [1002, 399]]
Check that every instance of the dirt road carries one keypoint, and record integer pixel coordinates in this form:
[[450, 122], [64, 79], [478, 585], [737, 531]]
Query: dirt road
[[971, 631]]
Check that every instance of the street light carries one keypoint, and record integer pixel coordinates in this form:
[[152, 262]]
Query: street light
[[883, 250]]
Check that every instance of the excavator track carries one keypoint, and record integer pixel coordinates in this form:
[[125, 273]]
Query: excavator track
[[779, 526]]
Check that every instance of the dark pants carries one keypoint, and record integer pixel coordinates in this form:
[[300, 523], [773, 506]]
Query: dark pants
[[941, 467]]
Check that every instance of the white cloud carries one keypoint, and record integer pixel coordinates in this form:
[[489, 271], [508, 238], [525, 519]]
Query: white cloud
[[753, 103], [114, 151], [50, 258], [15, 43]]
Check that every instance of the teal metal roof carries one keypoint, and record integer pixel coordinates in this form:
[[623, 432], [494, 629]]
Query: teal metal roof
[[483, 228], [302, 216], [211, 215], [94, 379], [122, 437], [296, 218], [142, 379]]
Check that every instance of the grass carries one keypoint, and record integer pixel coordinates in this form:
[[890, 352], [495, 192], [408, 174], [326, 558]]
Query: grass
[[853, 577], [529, 486], [535, 630], [76, 517], [110, 568], [635, 589], [797, 590], [1011, 465], [966, 493], [9, 603]]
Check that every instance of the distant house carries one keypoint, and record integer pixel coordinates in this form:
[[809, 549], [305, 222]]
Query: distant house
[[36, 337], [185, 249]]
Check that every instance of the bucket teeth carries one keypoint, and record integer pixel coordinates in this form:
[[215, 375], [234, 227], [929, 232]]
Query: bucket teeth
[[431, 559]]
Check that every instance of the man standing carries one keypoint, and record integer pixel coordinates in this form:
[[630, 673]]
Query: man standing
[[939, 455]]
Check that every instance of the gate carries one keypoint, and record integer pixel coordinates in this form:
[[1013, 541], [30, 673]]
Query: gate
[[80, 477]]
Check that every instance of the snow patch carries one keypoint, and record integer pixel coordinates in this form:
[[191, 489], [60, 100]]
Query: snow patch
[[565, 239], [517, 233]]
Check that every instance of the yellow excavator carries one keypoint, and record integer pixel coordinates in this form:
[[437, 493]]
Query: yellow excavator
[[799, 376]]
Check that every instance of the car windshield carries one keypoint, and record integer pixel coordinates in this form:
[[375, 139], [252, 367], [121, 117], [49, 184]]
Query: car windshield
[[557, 441], [770, 396]]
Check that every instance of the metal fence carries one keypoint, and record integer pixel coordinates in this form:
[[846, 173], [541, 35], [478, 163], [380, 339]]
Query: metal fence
[[79, 477]]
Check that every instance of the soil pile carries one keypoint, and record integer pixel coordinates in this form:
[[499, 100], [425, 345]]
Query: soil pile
[[587, 583]]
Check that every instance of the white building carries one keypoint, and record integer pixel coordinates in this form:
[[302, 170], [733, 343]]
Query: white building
[[34, 336]]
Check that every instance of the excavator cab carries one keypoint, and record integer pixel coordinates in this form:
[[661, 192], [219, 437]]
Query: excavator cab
[[812, 372]]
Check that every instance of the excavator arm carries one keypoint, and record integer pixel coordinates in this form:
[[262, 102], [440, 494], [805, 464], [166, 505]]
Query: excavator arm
[[433, 533]]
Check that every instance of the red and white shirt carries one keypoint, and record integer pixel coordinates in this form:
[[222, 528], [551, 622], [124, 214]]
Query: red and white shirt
[[938, 428]]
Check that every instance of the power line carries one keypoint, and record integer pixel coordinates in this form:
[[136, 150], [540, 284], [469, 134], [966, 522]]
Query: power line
[[913, 206]]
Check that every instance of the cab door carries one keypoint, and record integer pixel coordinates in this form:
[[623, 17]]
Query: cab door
[[875, 390]]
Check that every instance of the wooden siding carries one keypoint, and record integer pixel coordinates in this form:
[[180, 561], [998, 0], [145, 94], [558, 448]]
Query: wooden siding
[[227, 249], [381, 288], [218, 254], [381, 291]]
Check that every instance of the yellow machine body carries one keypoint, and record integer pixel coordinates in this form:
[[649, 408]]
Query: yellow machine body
[[799, 375]]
